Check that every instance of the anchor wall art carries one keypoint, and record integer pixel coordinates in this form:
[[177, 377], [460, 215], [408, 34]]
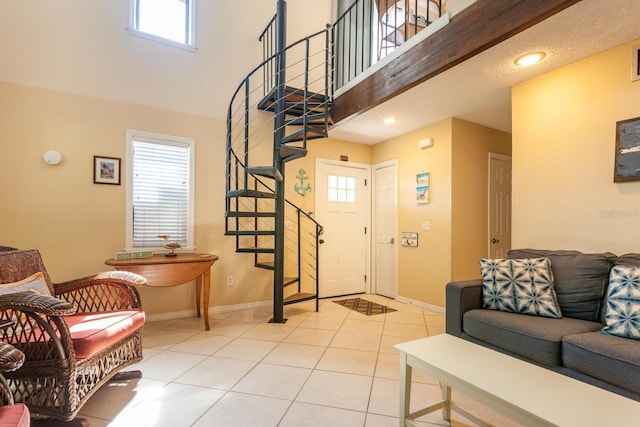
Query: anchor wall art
[[301, 188]]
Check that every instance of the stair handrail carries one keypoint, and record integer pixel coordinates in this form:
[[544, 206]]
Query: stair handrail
[[267, 38], [245, 84], [259, 67]]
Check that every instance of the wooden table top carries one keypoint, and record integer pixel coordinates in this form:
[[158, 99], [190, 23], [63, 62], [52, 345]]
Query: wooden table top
[[162, 259]]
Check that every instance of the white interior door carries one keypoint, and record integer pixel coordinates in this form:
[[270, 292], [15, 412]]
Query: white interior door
[[385, 215], [499, 205], [342, 206]]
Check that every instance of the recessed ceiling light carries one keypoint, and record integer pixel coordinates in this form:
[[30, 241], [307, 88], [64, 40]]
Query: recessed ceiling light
[[530, 59], [389, 120]]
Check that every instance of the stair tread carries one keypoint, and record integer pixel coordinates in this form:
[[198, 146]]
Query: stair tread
[[256, 250], [251, 193], [299, 297], [243, 214], [292, 95], [265, 265], [312, 119], [266, 171], [250, 232], [288, 281], [300, 137]]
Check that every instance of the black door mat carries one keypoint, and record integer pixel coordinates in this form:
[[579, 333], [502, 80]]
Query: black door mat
[[364, 306]]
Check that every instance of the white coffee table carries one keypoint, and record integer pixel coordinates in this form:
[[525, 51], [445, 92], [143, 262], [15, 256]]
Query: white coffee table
[[528, 394]]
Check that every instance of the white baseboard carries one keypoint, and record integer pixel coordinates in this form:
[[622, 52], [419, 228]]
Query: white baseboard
[[423, 305], [212, 310]]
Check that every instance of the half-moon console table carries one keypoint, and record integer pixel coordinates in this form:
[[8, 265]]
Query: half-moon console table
[[162, 271]]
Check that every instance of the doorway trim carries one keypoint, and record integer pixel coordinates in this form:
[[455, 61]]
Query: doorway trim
[[367, 169], [374, 212], [505, 158]]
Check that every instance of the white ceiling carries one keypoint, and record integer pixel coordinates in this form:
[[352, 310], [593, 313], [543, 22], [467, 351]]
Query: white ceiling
[[479, 90]]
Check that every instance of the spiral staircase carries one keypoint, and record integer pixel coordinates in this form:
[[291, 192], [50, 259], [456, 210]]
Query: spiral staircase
[[274, 112]]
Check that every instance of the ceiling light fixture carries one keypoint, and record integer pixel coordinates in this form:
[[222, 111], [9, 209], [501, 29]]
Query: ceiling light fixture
[[530, 59], [389, 120]]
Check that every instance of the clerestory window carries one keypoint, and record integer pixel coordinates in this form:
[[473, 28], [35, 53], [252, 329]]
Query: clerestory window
[[166, 21]]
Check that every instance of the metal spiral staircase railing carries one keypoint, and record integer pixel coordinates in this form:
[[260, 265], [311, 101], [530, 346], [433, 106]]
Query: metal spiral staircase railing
[[275, 110]]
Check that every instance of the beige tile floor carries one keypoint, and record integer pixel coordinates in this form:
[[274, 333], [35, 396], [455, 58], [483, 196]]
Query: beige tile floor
[[332, 368]]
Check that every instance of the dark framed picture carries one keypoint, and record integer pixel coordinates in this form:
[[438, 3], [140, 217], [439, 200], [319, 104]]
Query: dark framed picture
[[627, 167], [106, 170]]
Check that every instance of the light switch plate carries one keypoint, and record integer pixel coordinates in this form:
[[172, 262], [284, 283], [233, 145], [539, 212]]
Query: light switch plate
[[426, 225]]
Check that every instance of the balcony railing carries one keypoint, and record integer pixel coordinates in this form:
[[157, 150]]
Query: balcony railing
[[369, 30]]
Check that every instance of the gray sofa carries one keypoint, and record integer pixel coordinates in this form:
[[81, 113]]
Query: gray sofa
[[574, 344]]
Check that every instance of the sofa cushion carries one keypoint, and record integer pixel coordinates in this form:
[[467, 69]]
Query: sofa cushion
[[519, 286], [628, 259], [623, 302], [93, 332], [14, 416], [536, 338], [608, 358], [580, 279]]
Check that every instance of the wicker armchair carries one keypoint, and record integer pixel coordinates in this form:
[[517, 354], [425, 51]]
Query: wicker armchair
[[10, 414], [74, 340]]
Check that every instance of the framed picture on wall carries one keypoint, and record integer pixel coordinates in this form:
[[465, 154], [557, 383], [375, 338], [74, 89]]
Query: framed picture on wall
[[627, 156], [422, 188], [106, 170]]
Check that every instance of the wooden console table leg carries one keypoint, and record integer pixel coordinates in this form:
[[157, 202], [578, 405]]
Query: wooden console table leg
[[207, 289], [198, 293]]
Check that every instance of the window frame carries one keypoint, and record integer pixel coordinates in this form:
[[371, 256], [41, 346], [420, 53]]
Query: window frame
[[190, 19], [164, 139]]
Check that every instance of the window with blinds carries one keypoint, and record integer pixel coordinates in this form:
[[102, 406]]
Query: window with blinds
[[159, 190]]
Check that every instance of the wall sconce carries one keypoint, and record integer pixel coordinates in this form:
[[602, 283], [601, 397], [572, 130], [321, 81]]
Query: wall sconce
[[425, 143], [52, 157]]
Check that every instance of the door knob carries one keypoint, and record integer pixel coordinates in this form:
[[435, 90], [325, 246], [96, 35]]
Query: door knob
[[392, 241], [494, 241], [321, 241]]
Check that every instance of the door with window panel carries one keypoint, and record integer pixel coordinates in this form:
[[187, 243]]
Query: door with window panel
[[342, 209]]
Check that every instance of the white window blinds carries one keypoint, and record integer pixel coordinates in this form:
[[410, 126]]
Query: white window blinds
[[161, 191]]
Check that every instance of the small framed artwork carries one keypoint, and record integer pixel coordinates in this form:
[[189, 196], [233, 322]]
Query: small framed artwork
[[410, 239], [627, 156], [106, 170], [422, 188]]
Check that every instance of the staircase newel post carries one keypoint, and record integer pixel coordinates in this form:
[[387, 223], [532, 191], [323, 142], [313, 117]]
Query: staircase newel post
[[278, 271]]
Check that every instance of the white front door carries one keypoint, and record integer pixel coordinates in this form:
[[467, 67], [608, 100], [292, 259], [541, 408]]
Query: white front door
[[342, 206], [499, 205], [385, 215]]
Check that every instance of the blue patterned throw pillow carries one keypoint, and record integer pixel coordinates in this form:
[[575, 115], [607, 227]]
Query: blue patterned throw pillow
[[622, 317], [519, 286]]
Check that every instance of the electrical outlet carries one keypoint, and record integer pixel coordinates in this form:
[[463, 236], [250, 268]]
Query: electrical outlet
[[229, 280], [287, 225], [426, 225]]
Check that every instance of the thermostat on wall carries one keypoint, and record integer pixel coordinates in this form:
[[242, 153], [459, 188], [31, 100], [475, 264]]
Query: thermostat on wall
[[426, 143]]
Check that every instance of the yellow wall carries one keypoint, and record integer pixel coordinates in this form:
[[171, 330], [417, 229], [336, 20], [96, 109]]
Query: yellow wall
[[472, 144], [77, 224], [423, 271], [457, 209], [564, 133]]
